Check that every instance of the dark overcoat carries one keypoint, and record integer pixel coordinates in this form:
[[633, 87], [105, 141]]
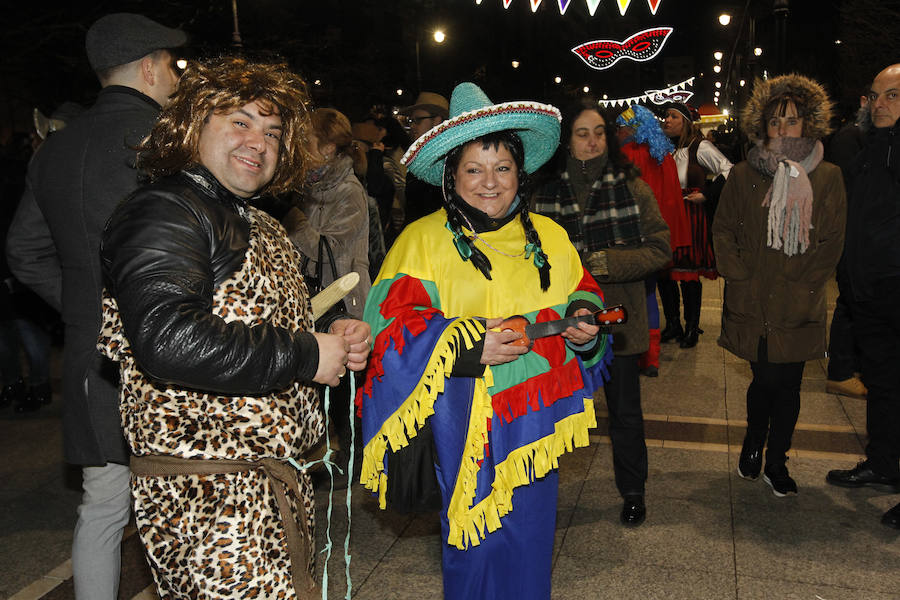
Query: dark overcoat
[[75, 180], [767, 293]]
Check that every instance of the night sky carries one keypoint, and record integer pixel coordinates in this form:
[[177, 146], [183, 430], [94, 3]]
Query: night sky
[[362, 51]]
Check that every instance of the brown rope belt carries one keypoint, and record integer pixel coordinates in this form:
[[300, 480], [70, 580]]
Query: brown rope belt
[[278, 472]]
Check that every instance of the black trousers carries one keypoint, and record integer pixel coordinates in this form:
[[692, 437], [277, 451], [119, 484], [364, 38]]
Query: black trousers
[[773, 403], [626, 424], [876, 325], [843, 358]]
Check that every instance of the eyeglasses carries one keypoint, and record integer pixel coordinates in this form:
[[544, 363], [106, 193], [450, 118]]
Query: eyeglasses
[[417, 120]]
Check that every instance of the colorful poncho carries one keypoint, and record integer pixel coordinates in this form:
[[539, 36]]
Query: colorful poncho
[[492, 433]]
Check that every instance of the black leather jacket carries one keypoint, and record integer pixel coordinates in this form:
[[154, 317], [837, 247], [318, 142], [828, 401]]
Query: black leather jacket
[[165, 250]]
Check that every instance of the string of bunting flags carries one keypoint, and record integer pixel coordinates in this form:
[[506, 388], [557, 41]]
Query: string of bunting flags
[[591, 5], [675, 93]]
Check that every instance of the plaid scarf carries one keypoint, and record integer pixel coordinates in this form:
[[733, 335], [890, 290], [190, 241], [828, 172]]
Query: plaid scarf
[[610, 216]]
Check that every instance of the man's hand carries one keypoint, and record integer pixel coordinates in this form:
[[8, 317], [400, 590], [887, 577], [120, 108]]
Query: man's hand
[[334, 354], [496, 345], [358, 336], [582, 334]]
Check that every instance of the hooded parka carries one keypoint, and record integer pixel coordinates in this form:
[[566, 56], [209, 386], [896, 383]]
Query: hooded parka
[[767, 293]]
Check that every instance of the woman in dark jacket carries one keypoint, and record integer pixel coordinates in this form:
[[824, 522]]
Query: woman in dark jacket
[[778, 235], [613, 220]]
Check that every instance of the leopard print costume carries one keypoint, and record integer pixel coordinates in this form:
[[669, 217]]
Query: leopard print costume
[[222, 536]]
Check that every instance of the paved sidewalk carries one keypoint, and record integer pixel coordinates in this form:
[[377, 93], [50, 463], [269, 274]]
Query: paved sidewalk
[[709, 534]]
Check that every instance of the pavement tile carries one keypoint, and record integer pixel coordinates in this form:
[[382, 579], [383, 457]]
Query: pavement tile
[[786, 540], [588, 577], [702, 531], [757, 588]]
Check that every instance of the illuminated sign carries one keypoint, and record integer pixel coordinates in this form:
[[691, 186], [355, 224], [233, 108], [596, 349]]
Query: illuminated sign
[[642, 46]]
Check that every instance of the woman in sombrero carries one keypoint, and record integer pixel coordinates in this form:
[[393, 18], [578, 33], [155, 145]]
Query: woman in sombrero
[[499, 415]]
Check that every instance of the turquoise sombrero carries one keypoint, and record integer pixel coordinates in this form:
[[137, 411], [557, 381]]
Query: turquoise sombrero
[[472, 115]]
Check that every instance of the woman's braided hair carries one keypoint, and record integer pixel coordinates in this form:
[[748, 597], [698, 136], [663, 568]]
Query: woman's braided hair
[[453, 202]]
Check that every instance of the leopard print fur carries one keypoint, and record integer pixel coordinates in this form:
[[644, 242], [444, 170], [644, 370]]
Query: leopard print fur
[[221, 536]]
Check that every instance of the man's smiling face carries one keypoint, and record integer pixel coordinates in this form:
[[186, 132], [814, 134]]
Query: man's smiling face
[[241, 148]]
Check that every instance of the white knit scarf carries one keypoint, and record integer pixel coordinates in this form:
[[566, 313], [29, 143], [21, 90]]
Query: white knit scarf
[[789, 198]]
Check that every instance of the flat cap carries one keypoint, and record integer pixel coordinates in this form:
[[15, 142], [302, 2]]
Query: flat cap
[[120, 38]]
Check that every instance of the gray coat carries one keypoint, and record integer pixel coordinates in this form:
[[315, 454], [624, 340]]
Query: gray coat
[[335, 207], [628, 267], [74, 182]]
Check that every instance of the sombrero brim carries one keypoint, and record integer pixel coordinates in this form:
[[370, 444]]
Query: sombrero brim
[[536, 124]]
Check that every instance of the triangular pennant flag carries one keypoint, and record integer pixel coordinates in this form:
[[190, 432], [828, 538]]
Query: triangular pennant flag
[[506, 3], [654, 4], [534, 5], [592, 6], [564, 6], [623, 6]]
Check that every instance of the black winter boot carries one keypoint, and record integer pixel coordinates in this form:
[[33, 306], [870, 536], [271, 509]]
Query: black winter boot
[[668, 296], [692, 292]]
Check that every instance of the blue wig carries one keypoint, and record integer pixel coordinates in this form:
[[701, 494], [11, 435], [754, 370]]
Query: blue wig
[[646, 131]]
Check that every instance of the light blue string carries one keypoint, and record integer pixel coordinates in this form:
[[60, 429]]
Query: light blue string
[[350, 471], [326, 460]]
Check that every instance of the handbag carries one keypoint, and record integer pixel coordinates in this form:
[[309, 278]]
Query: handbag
[[314, 281]]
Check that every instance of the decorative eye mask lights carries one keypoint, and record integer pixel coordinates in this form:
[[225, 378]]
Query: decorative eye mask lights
[[642, 46]]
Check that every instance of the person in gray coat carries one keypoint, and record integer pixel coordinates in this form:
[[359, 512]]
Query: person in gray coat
[[613, 219], [74, 182]]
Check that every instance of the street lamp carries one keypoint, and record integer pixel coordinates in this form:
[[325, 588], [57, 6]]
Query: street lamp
[[757, 51], [724, 19], [236, 34], [557, 79], [718, 55], [515, 64], [586, 89], [717, 68], [439, 36]]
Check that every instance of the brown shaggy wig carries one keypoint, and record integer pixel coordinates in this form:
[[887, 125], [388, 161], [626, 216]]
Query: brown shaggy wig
[[221, 86]]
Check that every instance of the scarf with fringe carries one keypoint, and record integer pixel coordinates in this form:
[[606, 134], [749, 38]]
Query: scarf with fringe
[[789, 199]]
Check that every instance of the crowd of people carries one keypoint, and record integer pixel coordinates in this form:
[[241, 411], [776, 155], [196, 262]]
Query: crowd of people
[[182, 224]]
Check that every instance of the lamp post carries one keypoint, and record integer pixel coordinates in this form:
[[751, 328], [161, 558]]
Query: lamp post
[[781, 10], [236, 34], [438, 36]]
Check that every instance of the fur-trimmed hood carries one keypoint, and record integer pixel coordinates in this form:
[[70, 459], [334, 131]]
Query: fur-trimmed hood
[[814, 102]]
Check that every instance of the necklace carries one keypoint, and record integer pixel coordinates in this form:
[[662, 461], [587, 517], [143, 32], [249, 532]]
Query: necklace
[[475, 236]]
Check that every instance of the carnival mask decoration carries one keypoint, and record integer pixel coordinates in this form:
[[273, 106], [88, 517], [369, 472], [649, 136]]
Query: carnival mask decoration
[[640, 47], [660, 97]]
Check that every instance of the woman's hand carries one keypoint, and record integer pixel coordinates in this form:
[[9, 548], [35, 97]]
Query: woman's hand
[[358, 335], [582, 334], [334, 354], [496, 345], [695, 197]]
